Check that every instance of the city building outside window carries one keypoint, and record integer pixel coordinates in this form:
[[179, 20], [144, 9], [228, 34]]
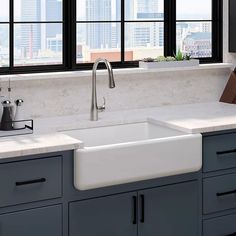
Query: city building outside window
[[194, 27]]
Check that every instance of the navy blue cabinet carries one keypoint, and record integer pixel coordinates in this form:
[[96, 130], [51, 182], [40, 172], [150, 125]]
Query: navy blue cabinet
[[219, 152], [45, 221], [113, 215], [30, 181], [38, 198], [220, 226], [219, 193], [170, 211], [219, 183]]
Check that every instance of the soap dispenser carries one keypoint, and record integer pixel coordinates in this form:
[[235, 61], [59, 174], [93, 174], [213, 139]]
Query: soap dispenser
[[7, 116], [19, 115]]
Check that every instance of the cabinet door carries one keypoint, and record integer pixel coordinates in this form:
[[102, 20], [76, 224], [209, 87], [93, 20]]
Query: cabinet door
[[106, 216], [45, 221], [169, 211]]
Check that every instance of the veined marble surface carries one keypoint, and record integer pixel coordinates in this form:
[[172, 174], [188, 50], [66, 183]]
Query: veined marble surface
[[32, 144], [191, 118], [63, 94], [198, 118]]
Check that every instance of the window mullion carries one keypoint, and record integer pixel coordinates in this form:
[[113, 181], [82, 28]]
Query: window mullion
[[69, 33], [217, 15], [122, 31], [173, 27], [11, 34], [169, 27]]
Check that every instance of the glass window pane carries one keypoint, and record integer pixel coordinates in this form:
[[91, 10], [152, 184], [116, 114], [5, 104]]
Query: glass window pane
[[38, 10], [195, 38], [98, 10], [4, 45], [144, 10], [98, 40], [194, 10], [144, 40], [37, 44], [4, 11]]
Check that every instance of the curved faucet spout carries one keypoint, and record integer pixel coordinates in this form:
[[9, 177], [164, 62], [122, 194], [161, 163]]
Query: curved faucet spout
[[94, 107]]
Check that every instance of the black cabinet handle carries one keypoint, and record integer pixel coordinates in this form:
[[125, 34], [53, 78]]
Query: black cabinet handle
[[226, 193], [134, 210], [226, 152], [33, 181], [233, 234], [142, 202]]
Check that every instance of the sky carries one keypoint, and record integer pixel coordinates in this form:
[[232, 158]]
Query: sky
[[184, 7], [4, 9], [199, 7]]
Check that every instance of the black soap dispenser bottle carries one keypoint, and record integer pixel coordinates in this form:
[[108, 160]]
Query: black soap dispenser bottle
[[7, 116]]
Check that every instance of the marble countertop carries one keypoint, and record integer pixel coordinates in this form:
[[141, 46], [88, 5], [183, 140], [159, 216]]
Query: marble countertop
[[32, 144], [191, 118], [198, 118]]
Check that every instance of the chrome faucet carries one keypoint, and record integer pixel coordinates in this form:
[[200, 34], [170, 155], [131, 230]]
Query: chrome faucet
[[94, 107]]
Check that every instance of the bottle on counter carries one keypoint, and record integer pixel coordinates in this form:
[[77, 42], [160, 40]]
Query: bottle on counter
[[7, 115], [18, 115]]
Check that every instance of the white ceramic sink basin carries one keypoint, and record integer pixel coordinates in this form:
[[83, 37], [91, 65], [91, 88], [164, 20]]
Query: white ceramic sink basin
[[133, 152]]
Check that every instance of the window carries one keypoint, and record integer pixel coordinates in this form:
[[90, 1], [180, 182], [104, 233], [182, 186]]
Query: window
[[98, 30], [51, 35], [194, 28], [37, 29], [4, 32], [31, 34], [144, 29]]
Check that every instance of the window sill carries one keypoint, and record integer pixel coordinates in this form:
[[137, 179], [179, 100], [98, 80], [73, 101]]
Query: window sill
[[79, 74]]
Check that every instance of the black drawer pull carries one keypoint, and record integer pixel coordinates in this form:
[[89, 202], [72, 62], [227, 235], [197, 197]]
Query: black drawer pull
[[226, 152], [226, 193], [134, 210], [233, 234], [33, 181], [142, 208]]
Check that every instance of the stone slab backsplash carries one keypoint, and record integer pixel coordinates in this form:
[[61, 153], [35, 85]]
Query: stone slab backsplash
[[72, 96]]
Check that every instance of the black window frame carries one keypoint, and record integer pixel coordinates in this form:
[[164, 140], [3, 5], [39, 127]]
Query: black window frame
[[217, 31], [69, 39]]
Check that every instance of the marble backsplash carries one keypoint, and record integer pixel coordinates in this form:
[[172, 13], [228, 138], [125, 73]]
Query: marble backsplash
[[72, 95]]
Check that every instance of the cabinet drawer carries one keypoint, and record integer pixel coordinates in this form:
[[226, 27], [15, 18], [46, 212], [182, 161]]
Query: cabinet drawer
[[219, 193], [219, 152], [221, 226], [30, 181], [45, 221]]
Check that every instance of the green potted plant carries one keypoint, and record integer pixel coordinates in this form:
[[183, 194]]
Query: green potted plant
[[179, 60]]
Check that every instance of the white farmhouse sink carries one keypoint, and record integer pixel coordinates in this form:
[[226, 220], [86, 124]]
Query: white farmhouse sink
[[133, 152]]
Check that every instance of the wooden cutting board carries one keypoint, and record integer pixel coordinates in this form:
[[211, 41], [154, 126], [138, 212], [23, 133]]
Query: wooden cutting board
[[229, 94]]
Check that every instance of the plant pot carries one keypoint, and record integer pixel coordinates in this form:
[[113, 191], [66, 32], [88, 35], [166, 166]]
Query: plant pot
[[168, 64]]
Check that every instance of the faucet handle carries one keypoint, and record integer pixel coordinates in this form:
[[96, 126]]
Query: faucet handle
[[103, 107]]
